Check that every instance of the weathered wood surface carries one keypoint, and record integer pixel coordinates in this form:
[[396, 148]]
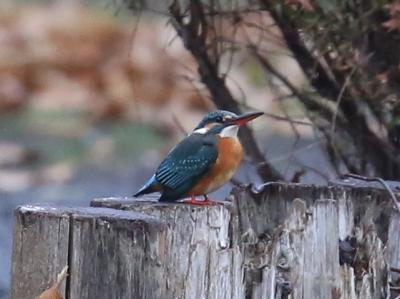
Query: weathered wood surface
[[200, 258], [309, 221], [288, 237], [40, 250], [120, 254], [279, 242], [103, 248]]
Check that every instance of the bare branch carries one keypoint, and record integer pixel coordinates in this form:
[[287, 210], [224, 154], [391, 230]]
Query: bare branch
[[379, 180], [179, 125], [194, 36], [311, 103], [340, 97]]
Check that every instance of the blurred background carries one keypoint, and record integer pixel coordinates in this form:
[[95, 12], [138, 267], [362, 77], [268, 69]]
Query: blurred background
[[94, 94]]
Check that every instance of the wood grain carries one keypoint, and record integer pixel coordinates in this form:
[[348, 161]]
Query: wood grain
[[40, 250], [281, 241]]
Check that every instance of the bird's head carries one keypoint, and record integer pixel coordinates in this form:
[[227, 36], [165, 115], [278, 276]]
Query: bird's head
[[224, 123]]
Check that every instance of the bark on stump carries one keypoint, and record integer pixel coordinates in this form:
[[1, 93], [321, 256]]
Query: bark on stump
[[279, 242]]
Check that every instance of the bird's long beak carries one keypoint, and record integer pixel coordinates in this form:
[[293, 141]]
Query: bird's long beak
[[245, 118]]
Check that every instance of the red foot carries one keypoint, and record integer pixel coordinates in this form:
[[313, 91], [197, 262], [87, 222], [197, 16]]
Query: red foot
[[205, 202], [212, 202]]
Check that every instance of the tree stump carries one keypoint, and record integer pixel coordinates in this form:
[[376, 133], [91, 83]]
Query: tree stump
[[293, 233], [109, 252], [40, 250], [283, 241], [201, 258]]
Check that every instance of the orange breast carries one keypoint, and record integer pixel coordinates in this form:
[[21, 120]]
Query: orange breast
[[230, 154]]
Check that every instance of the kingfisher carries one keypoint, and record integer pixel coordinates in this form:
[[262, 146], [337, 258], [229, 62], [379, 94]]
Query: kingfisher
[[202, 162]]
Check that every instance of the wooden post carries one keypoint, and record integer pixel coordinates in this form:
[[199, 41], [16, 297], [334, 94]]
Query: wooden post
[[120, 254], [40, 250], [110, 253], [299, 241], [296, 230], [201, 258]]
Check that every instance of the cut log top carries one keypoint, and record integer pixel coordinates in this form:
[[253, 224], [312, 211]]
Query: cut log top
[[129, 203], [82, 212], [281, 239]]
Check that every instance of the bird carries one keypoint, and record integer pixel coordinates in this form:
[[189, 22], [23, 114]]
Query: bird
[[202, 162]]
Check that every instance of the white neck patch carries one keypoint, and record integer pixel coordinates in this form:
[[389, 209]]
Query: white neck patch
[[230, 131], [201, 130]]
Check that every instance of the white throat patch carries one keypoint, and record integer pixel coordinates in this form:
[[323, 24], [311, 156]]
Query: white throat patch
[[230, 131]]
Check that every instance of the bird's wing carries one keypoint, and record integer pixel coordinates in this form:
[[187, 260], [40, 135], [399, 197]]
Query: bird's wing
[[187, 162]]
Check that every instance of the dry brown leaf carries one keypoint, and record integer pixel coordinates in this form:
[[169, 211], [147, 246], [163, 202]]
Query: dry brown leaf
[[392, 24], [393, 8], [53, 292]]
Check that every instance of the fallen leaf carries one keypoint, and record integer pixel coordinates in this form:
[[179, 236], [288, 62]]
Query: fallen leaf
[[53, 292]]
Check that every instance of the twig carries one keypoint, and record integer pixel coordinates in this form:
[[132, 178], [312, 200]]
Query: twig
[[376, 179], [306, 147], [206, 100], [324, 176], [297, 175], [310, 64], [368, 144], [308, 101], [133, 34], [296, 141], [282, 118], [340, 96], [179, 125], [288, 119], [237, 11]]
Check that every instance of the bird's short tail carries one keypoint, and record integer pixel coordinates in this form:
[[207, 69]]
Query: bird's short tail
[[150, 187]]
